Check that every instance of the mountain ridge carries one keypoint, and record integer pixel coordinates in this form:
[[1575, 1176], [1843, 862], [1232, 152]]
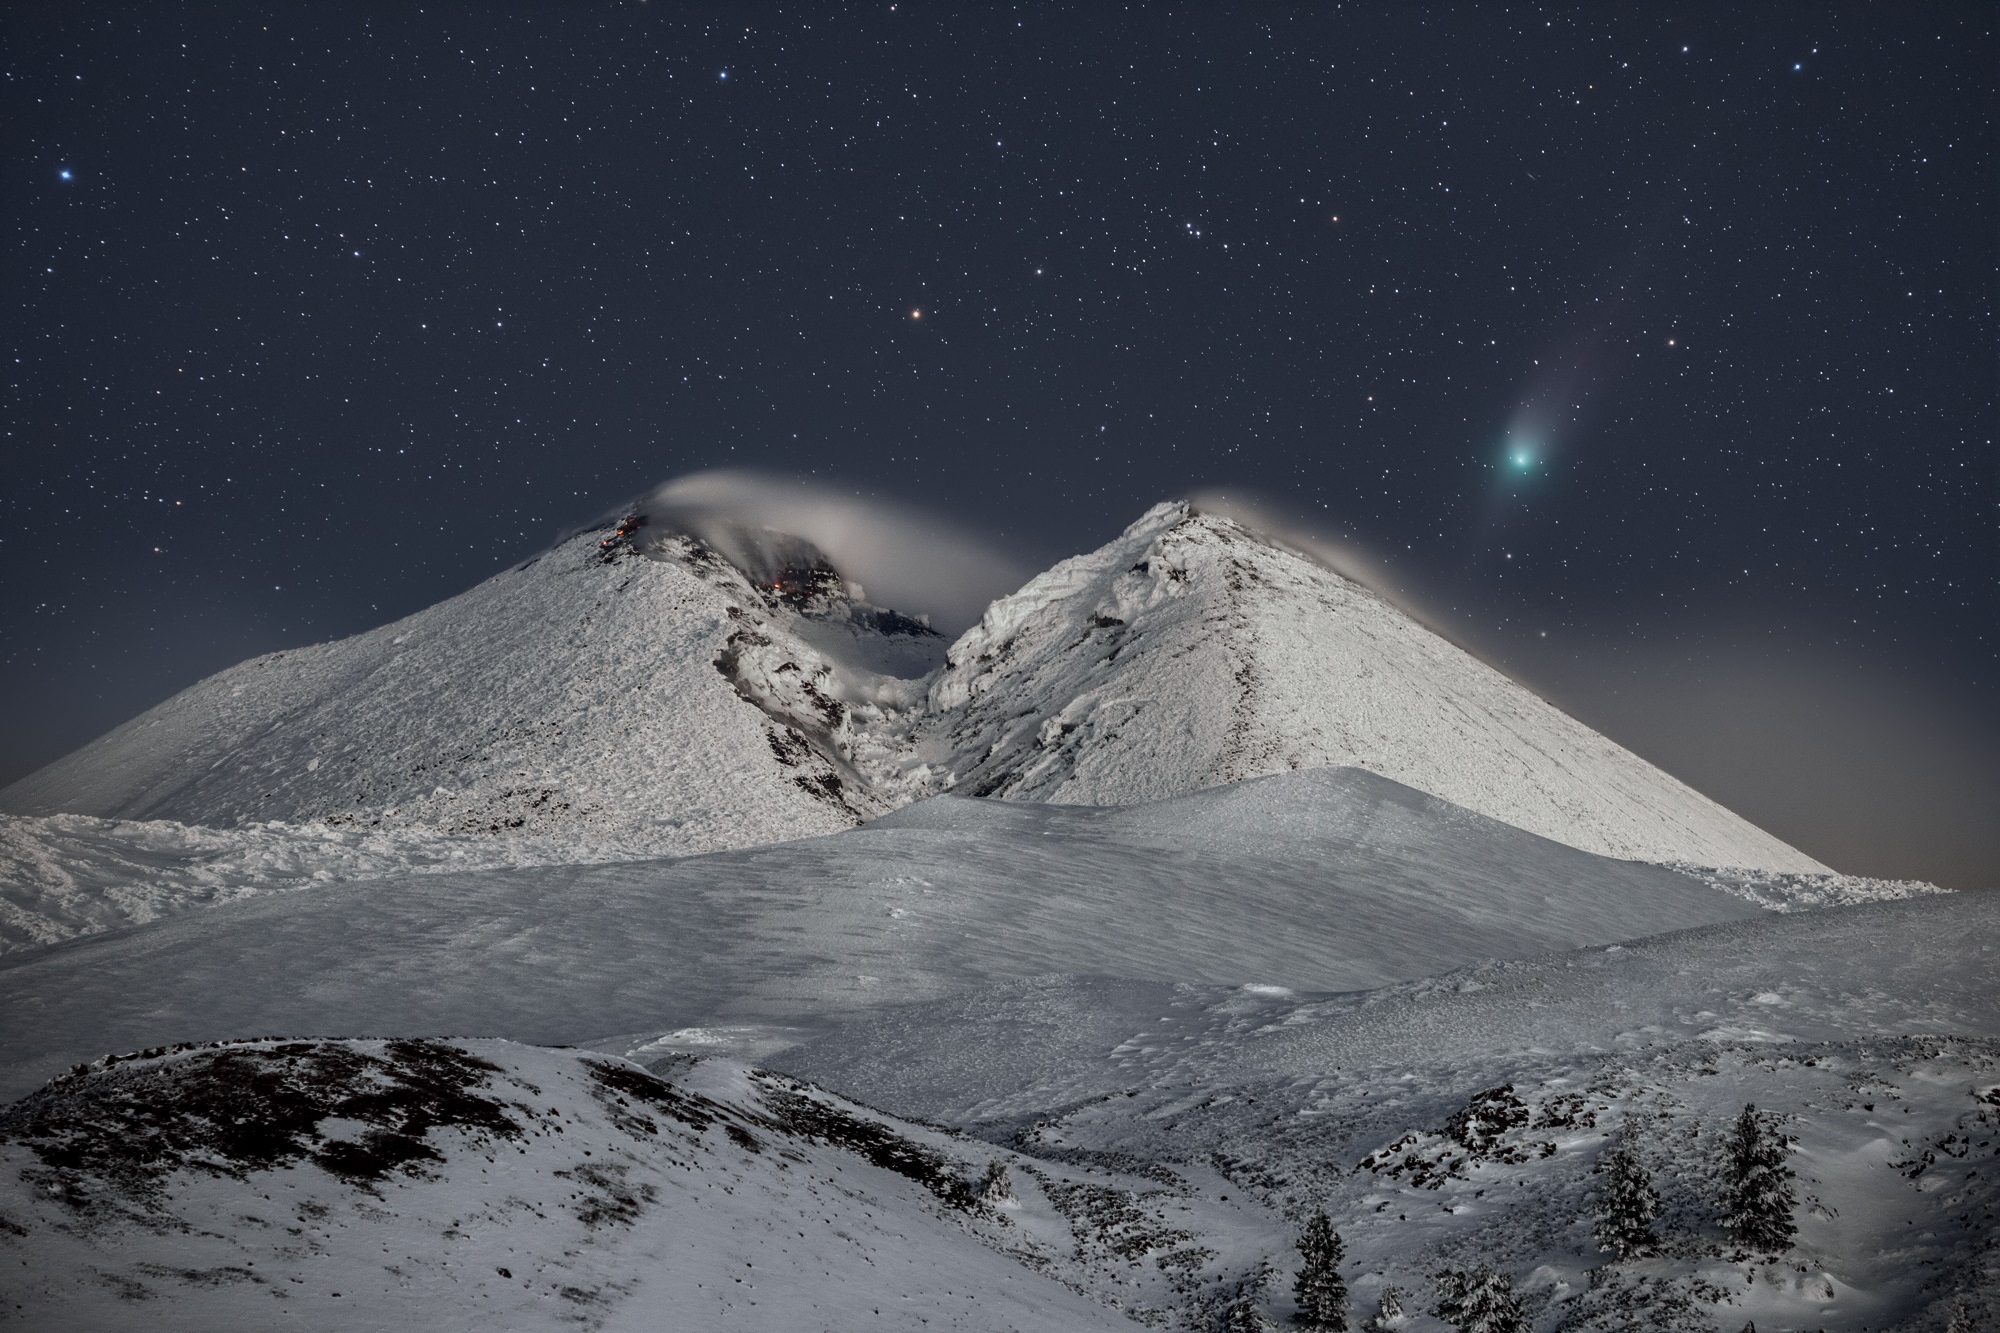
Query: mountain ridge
[[696, 694]]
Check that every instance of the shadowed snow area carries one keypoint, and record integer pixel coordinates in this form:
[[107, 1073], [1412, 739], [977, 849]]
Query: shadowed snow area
[[1330, 880]]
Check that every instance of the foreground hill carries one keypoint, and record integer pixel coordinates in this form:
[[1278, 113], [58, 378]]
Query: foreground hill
[[636, 688], [481, 1185]]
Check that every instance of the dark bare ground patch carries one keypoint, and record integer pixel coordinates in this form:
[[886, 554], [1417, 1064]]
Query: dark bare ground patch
[[607, 1196], [617, 1086], [119, 1128], [797, 1113]]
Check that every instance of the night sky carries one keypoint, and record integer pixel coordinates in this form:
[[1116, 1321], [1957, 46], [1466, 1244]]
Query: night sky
[[1651, 353]]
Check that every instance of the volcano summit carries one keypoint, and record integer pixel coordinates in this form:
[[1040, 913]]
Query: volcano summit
[[691, 693]]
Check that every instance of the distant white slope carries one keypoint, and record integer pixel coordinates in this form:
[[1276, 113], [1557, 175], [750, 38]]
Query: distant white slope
[[659, 699], [68, 875], [1192, 652]]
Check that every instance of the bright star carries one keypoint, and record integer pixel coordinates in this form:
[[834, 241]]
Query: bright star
[[64, 173]]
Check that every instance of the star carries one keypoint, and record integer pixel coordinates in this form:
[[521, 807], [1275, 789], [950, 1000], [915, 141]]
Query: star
[[65, 174]]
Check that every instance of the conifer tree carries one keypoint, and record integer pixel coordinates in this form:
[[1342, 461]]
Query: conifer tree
[[1627, 1204], [1388, 1311], [1481, 1301], [1758, 1193], [1321, 1294]]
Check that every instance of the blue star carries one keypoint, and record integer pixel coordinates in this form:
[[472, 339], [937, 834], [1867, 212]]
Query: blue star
[[65, 174]]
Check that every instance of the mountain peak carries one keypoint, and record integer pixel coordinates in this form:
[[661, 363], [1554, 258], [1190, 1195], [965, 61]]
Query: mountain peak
[[687, 681], [1194, 650]]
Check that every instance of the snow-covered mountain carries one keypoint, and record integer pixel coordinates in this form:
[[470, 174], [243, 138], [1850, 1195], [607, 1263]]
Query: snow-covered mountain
[[628, 685], [1193, 651], [1296, 907], [673, 693]]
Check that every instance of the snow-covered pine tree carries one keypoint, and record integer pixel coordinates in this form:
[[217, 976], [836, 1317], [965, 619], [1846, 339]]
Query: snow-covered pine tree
[[1627, 1204], [1481, 1301], [1321, 1294], [1758, 1194], [1388, 1311], [1245, 1317], [996, 1186]]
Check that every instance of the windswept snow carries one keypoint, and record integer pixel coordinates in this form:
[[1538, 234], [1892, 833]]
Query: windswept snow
[[482, 1185], [1325, 880], [1157, 1172], [1783, 891], [1871, 1032], [68, 875]]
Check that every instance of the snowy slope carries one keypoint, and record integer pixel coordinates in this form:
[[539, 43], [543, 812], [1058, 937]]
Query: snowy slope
[[1327, 880], [1161, 1172], [1872, 1031], [68, 875], [481, 1185], [598, 692], [1192, 652]]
